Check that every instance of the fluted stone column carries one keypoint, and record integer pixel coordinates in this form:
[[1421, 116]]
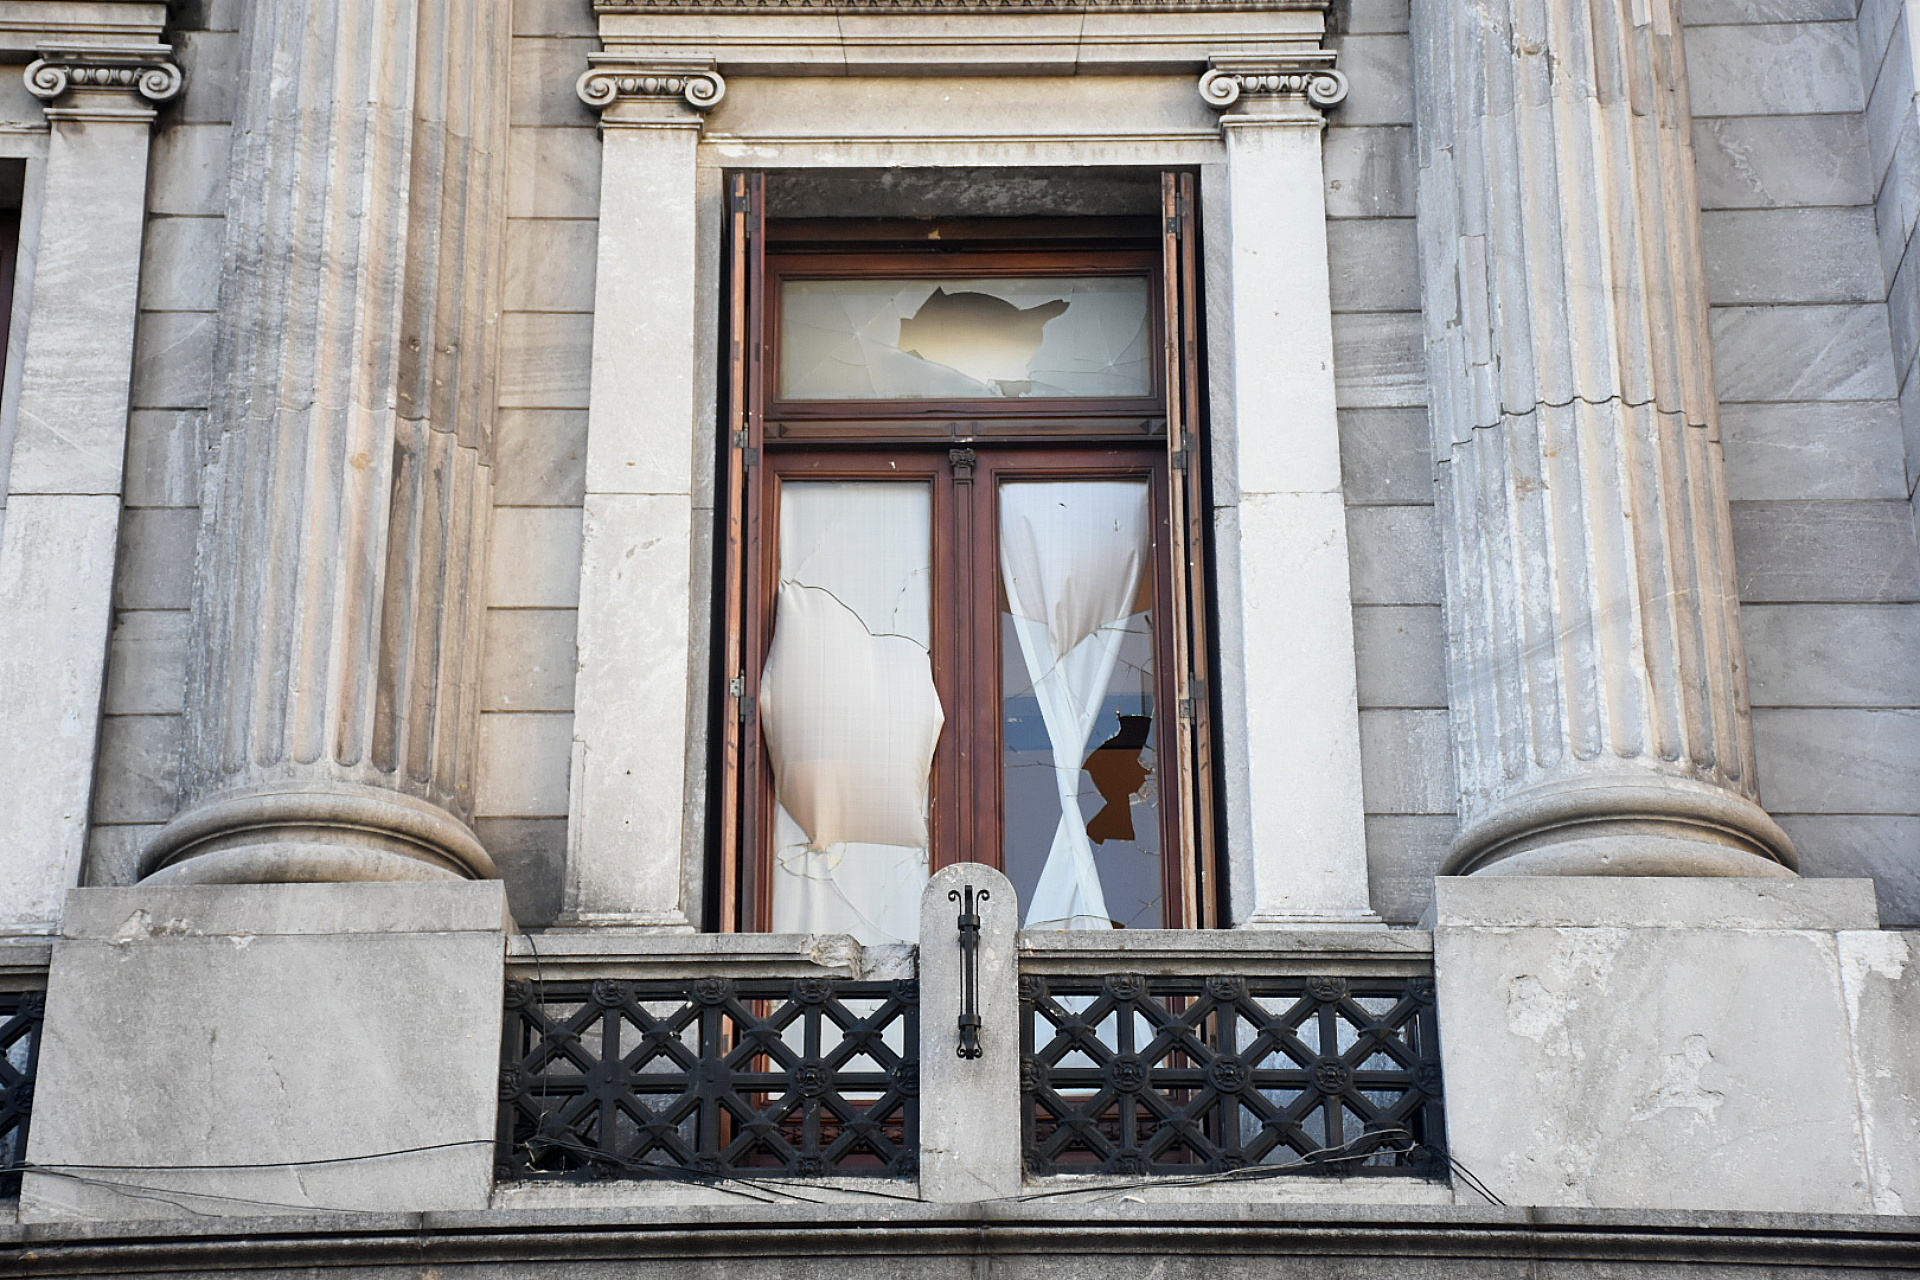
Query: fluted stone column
[[333, 695], [1596, 673]]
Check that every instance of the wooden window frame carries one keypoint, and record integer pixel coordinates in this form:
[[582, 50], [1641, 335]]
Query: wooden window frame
[[1155, 436]]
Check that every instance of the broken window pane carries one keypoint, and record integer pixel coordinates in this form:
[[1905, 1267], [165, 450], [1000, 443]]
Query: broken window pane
[[965, 339], [1080, 785], [849, 710]]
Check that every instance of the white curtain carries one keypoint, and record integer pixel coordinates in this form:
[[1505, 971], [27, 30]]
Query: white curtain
[[1071, 556], [849, 710]]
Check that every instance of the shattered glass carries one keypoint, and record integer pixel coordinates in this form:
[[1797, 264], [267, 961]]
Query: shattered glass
[[1030, 338], [849, 709]]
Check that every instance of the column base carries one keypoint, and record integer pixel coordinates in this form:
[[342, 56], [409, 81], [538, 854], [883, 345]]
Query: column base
[[304, 833], [1615, 827]]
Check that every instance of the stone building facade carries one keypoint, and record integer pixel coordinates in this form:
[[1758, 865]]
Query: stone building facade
[[1530, 422]]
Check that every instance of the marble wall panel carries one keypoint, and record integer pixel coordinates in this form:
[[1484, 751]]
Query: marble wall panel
[[1395, 555], [1791, 255], [137, 771], [553, 172], [1373, 264], [211, 61], [524, 762], [534, 559], [1404, 851], [1827, 551], [1833, 655], [1400, 653], [1802, 353], [180, 263], [1373, 16], [531, 854], [1772, 162], [1831, 449], [1370, 171], [1882, 846], [539, 457], [1386, 456], [1406, 761], [1380, 70], [155, 564], [529, 660], [545, 359], [173, 360], [1773, 69], [544, 69], [550, 264], [1838, 760], [189, 170], [147, 666], [164, 457], [1379, 360]]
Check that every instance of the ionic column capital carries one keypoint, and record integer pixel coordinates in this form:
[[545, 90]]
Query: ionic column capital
[[642, 90], [1260, 83], [103, 82]]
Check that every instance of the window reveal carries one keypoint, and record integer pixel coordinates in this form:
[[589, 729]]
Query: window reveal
[[978, 653]]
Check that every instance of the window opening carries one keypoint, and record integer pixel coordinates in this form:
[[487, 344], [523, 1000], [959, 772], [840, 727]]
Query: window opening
[[962, 550]]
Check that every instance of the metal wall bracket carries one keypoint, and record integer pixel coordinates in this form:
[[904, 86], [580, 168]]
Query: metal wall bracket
[[969, 1046]]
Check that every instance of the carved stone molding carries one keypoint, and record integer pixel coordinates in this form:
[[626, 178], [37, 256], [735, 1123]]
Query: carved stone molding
[[958, 6], [621, 77], [1309, 76], [144, 74]]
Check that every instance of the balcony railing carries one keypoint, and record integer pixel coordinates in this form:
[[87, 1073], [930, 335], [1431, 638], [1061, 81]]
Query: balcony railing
[[21, 1014]]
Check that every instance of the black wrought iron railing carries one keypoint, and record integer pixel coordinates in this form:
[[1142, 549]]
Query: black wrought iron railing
[[1187, 1075], [21, 1014], [710, 1076]]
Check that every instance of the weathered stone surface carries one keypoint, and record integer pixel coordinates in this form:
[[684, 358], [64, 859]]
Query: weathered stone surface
[[553, 173], [1802, 353], [545, 359], [1880, 976], [169, 1010], [543, 70], [1765, 162], [1373, 265], [1400, 652], [535, 560], [523, 766], [1407, 761], [1369, 171], [1833, 655], [147, 663], [189, 170], [540, 457], [1791, 255], [1879, 846], [1839, 760], [549, 265], [1378, 361], [1380, 70], [1714, 12], [1773, 69], [1836, 551], [532, 856], [1404, 852], [164, 458], [137, 769], [1386, 456], [1593, 1059], [180, 269], [155, 569], [1396, 555], [529, 660], [173, 360], [1848, 449]]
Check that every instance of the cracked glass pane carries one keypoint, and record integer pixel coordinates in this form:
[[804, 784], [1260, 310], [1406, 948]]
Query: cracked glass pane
[[1080, 786], [848, 707], [965, 339]]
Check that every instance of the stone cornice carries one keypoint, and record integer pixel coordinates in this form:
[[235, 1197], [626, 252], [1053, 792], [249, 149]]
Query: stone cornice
[[790, 8], [120, 80], [639, 79], [1308, 77]]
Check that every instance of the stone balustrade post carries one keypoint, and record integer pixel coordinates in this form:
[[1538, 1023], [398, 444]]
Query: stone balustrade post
[[333, 697], [970, 1146], [637, 690], [1296, 814], [63, 479], [1596, 674]]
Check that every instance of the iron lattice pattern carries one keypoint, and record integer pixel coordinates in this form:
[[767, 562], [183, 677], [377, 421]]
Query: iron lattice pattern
[[713, 1076], [1131, 1075], [20, 1017]]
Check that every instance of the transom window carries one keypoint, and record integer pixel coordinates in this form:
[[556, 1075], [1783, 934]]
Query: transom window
[[962, 571]]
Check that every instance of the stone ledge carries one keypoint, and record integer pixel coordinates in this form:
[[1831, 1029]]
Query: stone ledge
[[916, 1239], [187, 911], [611, 952], [1210, 951], [1651, 902]]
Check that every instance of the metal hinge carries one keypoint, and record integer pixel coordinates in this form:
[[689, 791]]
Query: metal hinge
[[740, 201], [1178, 459], [737, 687]]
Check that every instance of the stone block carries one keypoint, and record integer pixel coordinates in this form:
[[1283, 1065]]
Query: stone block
[[211, 61], [1386, 456], [550, 18], [1368, 17], [1369, 171], [1838, 759], [260, 1049], [543, 71], [549, 264], [1802, 353], [1380, 70], [1798, 68], [1701, 13], [1875, 22], [1910, 424], [529, 660], [173, 360], [156, 556], [1882, 847], [1832, 655], [1897, 206], [1404, 852], [540, 457], [1379, 360], [113, 853], [1772, 162], [1832, 551], [1401, 654], [1903, 311], [525, 758], [180, 263], [137, 771], [1880, 974], [534, 560], [1395, 553], [1826, 449], [553, 172], [531, 854], [164, 457], [1373, 264], [546, 360], [1406, 761], [1669, 1044], [189, 169], [1791, 255], [147, 663], [1889, 98]]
